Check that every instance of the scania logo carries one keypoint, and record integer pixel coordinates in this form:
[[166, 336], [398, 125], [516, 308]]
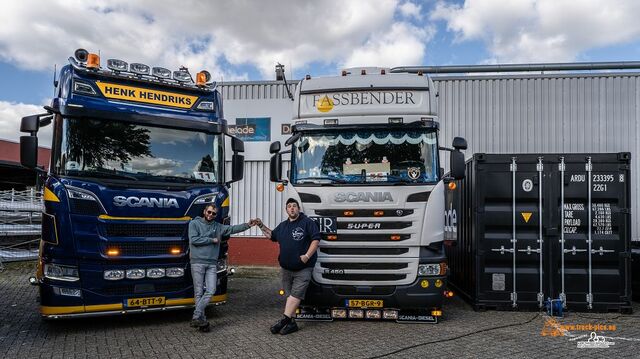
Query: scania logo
[[150, 202], [363, 197]]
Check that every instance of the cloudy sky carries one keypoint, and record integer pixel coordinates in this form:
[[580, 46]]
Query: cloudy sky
[[244, 39]]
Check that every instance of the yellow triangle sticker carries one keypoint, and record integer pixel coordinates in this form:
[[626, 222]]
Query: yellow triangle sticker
[[526, 216], [324, 104]]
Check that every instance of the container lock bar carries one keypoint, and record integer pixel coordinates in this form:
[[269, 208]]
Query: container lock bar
[[514, 168], [589, 168], [562, 168], [540, 168]]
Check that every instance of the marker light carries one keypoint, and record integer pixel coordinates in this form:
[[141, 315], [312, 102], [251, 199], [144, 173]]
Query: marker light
[[81, 55], [448, 294], [378, 213], [436, 313], [280, 187], [113, 252], [93, 61], [181, 76], [452, 185], [117, 65], [332, 237], [140, 69], [175, 250], [202, 78], [281, 292], [348, 213], [161, 72], [395, 237]]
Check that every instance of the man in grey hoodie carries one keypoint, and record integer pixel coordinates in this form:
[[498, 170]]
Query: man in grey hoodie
[[204, 248]]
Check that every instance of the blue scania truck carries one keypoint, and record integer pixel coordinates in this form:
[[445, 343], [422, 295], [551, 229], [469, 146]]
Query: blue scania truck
[[136, 153]]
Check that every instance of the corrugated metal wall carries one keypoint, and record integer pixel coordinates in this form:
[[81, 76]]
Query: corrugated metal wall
[[496, 114]]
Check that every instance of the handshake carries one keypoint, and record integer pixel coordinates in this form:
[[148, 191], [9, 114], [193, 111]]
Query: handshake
[[255, 222]]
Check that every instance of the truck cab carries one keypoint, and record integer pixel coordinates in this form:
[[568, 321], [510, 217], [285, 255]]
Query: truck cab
[[137, 152], [364, 153]]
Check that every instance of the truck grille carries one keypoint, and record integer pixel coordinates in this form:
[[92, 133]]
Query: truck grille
[[146, 248], [364, 251], [370, 266], [364, 276], [129, 289], [144, 230], [373, 290]]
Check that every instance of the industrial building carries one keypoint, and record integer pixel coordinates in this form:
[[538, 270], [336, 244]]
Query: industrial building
[[578, 110]]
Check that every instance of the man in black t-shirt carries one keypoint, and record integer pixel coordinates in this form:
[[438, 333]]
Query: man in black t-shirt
[[298, 237]]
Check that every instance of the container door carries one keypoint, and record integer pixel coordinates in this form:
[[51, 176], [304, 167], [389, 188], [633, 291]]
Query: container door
[[511, 225], [590, 256]]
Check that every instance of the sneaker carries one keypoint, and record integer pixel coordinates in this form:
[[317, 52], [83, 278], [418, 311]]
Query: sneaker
[[275, 329], [289, 328], [196, 323]]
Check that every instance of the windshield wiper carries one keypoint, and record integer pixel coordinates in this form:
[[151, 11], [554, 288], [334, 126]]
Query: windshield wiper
[[320, 178]]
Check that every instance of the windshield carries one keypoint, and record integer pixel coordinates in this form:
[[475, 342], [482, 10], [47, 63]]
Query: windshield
[[403, 156], [119, 150]]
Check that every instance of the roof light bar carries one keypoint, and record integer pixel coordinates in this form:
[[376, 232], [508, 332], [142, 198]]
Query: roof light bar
[[140, 69], [117, 65]]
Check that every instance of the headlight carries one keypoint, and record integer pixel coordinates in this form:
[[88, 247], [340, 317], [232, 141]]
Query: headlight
[[222, 265], [206, 199], [155, 272], [428, 269], [75, 194], [60, 272], [174, 272], [135, 273], [115, 274], [83, 88]]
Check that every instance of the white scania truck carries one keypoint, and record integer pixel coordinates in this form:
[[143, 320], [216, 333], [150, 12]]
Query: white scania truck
[[365, 155]]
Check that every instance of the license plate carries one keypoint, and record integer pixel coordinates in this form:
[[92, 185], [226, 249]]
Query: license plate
[[145, 302], [365, 303]]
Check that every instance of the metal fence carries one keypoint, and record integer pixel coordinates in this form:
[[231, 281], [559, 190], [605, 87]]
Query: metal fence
[[20, 224]]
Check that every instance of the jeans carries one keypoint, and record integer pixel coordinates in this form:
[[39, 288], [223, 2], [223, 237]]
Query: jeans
[[204, 286]]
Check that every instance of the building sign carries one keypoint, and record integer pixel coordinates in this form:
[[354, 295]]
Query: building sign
[[139, 94], [285, 129], [252, 129]]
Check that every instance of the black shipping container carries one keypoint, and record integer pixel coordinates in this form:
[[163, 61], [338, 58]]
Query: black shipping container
[[569, 215]]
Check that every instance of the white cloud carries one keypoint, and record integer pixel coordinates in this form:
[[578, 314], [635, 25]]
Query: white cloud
[[403, 44], [410, 9], [10, 115], [542, 30], [198, 34]]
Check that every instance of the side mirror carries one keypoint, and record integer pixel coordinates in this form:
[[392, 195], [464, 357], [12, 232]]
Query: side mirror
[[30, 124], [459, 143], [29, 151], [291, 140], [237, 167], [237, 145], [275, 168], [275, 147], [457, 165]]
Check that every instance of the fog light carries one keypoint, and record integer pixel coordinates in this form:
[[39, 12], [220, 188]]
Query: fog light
[[390, 314], [436, 313], [281, 292], [438, 283], [424, 283], [155, 272], [115, 274], [174, 272], [69, 292], [373, 314], [356, 313], [135, 273], [339, 313]]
